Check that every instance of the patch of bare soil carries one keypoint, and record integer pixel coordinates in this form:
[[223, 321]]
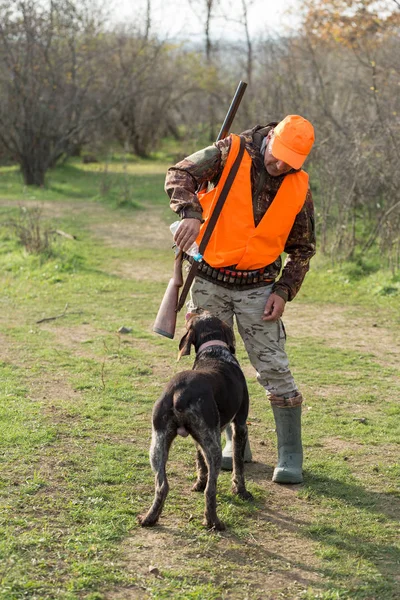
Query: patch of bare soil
[[135, 231], [74, 337], [271, 560], [56, 210], [145, 270], [337, 445], [340, 328]]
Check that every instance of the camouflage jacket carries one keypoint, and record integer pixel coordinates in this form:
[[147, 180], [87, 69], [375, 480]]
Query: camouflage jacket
[[187, 176]]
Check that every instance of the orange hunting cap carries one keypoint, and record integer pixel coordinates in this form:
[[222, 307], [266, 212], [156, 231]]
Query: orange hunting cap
[[292, 140]]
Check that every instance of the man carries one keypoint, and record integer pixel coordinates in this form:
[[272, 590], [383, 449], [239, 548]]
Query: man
[[268, 210]]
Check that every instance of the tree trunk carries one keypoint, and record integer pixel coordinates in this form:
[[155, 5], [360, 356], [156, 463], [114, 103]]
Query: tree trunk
[[33, 174]]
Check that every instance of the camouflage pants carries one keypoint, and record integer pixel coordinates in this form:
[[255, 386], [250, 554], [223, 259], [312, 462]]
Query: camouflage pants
[[264, 340]]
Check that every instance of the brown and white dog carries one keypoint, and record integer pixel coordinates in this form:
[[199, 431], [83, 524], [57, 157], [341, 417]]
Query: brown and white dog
[[201, 402]]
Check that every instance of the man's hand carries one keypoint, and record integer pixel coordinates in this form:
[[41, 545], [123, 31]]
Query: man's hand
[[187, 233], [274, 308]]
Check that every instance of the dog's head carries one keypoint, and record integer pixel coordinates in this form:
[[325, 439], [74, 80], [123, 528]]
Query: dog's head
[[204, 327]]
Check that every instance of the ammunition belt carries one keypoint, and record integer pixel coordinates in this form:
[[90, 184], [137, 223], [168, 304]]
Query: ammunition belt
[[232, 278]]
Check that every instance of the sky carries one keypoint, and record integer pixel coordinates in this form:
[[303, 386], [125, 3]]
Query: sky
[[182, 18]]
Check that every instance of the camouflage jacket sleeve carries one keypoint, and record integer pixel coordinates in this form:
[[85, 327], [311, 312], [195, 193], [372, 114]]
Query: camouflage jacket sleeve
[[300, 248], [185, 178]]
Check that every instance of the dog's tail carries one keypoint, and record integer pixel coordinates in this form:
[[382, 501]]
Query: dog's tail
[[181, 401], [180, 405]]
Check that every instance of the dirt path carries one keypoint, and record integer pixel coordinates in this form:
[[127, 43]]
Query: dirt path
[[346, 328], [275, 556], [273, 559]]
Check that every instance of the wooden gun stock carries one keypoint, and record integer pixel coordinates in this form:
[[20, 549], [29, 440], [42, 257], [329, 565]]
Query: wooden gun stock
[[165, 322]]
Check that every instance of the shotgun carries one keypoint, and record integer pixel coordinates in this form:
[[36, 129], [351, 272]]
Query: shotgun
[[165, 322]]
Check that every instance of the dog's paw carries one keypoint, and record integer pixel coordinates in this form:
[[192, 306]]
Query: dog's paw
[[145, 521], [214, 525], [199, 486], [242, 493], [246, 495]]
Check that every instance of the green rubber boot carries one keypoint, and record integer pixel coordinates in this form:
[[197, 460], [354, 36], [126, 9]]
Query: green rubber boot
[[290, 450], [227, 460]]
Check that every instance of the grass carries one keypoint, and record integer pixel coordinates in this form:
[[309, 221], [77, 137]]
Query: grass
[[75, 404], [118, 184]]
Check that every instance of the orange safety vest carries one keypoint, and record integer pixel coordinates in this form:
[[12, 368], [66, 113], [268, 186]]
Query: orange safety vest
[[235, 239]]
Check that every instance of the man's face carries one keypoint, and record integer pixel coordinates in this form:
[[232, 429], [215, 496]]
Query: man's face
[[274, 166]]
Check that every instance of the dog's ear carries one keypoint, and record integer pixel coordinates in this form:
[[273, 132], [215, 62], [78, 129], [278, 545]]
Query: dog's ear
[[186, 343], [230, 337]]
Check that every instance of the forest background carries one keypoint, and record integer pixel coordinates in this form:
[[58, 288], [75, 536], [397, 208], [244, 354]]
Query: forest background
[[76, 82]]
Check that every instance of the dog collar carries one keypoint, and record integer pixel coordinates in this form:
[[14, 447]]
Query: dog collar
[[211, 343]]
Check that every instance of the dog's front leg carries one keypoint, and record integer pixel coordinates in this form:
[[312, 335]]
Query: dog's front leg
[[202, 471], [239, 440], [211, 446], [160, 444]]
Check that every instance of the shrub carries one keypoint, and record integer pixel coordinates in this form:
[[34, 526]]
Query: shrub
[[32, 232]]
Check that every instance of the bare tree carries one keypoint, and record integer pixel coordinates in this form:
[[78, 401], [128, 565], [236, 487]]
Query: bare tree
[[348, 65], [158, 80], [209, 8], [148, 20], [52, 85], [246, 5]]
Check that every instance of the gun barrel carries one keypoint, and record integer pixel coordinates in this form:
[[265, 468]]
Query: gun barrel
[[165, 322], [230, 115]]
